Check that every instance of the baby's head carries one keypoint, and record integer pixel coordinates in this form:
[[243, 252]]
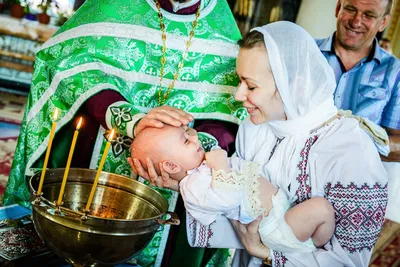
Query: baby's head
[[173, 147]]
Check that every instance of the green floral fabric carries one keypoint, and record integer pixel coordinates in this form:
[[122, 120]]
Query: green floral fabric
[[116, 45]]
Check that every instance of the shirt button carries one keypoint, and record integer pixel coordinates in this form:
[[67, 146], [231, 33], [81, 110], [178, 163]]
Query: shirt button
[[374, 93]]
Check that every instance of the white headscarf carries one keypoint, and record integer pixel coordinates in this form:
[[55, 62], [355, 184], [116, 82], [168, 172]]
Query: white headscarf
[[306, 84]]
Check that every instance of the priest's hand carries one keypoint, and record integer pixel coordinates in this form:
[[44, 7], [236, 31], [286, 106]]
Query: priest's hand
[[250, 238], [159, 116], [163, 181]]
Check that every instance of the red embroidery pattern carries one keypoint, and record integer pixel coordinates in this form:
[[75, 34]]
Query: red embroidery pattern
[[200, 237], [279, 259], [304, 189], [359, 213], [209, 235], [192, 228]]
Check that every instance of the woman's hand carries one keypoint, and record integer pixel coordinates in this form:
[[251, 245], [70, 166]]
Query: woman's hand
[[163, 181], [159, 116], [250, 238]]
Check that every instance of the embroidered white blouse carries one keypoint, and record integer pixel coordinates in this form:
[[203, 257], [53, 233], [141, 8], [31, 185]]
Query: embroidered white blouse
[[338, 162]]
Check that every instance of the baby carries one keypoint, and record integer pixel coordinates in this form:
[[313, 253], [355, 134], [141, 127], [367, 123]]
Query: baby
[[212, 185]]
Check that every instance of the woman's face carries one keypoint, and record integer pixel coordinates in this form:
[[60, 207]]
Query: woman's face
[[257, 89]]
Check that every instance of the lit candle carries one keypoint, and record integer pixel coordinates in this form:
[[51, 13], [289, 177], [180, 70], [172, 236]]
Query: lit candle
[[46, 159], [71, 152], [96, 179]]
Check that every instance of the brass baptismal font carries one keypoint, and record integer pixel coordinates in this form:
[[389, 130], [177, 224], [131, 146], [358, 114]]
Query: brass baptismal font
[[96, 218]]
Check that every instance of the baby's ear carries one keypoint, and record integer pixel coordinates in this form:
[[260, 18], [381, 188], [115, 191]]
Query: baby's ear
[[171, 167]]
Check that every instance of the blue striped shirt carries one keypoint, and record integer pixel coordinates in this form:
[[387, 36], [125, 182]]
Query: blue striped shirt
[[371, 89]]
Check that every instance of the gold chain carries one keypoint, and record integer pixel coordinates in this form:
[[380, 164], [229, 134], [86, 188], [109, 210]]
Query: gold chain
[[163, 60]]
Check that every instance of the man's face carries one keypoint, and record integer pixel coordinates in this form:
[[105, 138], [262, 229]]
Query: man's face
[[358, 21]]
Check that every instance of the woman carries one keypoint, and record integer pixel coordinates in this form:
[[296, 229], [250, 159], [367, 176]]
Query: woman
[[295, 133], [307, 149]]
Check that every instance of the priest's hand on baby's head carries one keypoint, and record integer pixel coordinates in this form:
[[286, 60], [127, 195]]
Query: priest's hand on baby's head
[[159, 116]]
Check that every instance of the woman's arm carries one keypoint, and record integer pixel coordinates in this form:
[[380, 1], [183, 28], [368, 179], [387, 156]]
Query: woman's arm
[[351, 177]]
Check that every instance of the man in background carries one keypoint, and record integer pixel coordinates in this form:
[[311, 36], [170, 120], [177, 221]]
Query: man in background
[[368, 78], [386, 45]]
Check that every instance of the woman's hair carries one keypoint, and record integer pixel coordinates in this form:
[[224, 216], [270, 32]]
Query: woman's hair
[[251, 40]]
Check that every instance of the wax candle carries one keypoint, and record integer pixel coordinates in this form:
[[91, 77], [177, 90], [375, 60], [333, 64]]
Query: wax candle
[[71, 153], [96, 179], [46, 159]]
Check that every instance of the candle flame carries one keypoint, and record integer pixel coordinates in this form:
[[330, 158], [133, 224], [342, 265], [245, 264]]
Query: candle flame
[[79, 124], [55, 114], [111, 136]]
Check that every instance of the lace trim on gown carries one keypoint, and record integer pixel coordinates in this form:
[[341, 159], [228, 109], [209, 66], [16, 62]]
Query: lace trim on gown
[[252, 202], [232, 181], [246, 181]]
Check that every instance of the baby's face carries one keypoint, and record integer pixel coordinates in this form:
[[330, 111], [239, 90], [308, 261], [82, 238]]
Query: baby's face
[[183, 149]]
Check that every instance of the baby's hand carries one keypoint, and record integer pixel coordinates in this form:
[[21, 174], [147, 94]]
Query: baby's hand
[[218, 160]]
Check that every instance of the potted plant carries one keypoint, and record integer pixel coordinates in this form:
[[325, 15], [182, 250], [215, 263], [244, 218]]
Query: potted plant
[[29, 14], [43, 17], [17, 10]]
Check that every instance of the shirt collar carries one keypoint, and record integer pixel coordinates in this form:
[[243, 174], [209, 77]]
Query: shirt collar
[[375, 53], [200, 168], [326, 45]]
